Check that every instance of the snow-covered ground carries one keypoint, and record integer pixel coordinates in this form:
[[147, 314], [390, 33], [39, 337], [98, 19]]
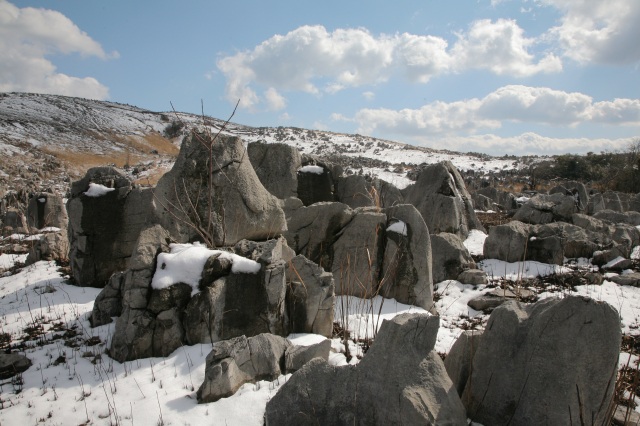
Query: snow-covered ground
[[73, 381]]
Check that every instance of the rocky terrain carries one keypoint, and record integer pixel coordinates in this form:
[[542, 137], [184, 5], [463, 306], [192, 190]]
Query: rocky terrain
[[292, 276]]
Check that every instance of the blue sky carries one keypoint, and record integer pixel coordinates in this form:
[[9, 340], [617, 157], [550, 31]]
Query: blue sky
[[494, 76]]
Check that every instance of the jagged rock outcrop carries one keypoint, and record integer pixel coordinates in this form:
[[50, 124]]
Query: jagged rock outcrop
[[50, 246], [577, 190], [365, 191], [47, 210], [630, 217], [268, 298], [370, 251], [500, 200], [450, 257], [315, 183], [441, 197], [407, 271], [276, 165], [553, 362], [608, 200], [234, 362], [507, 242], [104, 224], [459, 360], [544, 208], [413, 389], [237, 203]]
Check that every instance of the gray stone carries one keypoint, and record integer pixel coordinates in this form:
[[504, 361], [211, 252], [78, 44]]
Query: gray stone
[[407, 263], [103, 230], [314, 228], [203, 315], [632, 279], [450, 257], [315, 188], [297, 356], [108, 303], [482, 202], [507, 242], [276, 165], [310, 297], [50, 246], [530, 365], [357, 255], [544, 208], [473, 277], [578, 192], [624, 416], [232, 363], [15, 219], [12, 364], [133, 338], [401, 380], [441, 197], [500, 200], [237, 203], [459, 362], [47, 210], [630, 218], [605, 201], [365, 191]]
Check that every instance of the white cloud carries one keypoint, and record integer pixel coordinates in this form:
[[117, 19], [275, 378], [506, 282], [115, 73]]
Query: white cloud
[[28, 36], [313, 60], [501, 48], [525, 144], [368, 95], [275, 100], [598, 31], [285, 116], [514, 103]]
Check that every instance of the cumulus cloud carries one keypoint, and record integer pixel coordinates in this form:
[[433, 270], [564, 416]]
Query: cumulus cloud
[[526, 144], [598, 31], [28, 36], [275, 100], [313, 60], [514, 103]]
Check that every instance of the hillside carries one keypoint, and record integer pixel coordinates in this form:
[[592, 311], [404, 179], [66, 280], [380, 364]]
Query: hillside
[[43, 134]]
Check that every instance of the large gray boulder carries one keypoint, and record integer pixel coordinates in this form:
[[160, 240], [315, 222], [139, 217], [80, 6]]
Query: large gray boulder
[[630, 217], [549, 363], [401, 380], [232, 363], [577, 190], [276, 165], [459, 360], [507, 242], [47, 210], [500, 200], [310, 297], [357, 254], [440, 195], [221, 209], [315, 183], [608, 200], [365, 191], [544, 208], [407, 264], [450, 257], [103, 229], [50, 246], [312, 229]]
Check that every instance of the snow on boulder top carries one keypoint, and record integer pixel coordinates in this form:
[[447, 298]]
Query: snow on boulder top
[[398, 227], [97, 190], [185, 262], [311, 169]]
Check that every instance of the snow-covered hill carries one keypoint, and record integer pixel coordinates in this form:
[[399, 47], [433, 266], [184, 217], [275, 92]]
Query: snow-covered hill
[[79, 133]]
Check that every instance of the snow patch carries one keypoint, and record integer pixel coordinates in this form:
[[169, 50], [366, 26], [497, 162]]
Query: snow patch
[[311, 169], [185, 262], [398, 227], [475, 242], [97, 190]]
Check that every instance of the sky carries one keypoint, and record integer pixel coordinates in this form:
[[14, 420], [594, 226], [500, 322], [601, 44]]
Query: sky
[[492, 76]]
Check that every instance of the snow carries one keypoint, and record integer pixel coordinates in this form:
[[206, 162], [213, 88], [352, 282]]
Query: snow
[[613, 262], [185, 262], [635, 254], [311, 169], [8, 260], [518, 270], [97, 190], [398, 227], [475, 242]]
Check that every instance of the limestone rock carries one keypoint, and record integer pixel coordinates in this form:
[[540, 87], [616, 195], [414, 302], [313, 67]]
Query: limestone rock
[[507, 242], [298, 356], [548, 363], [12, 364], [441, 197], [47, 210], [315, 186], [276, 165], [239, 205], [401, 380], [450, 257], [364, 191], [459, 360], [544, 208]]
